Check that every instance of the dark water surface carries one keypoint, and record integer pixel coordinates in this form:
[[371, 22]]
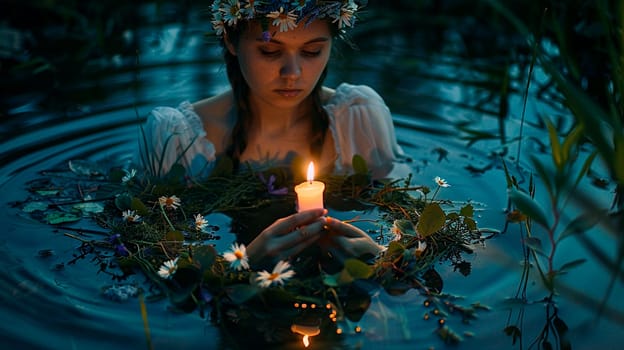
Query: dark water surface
[[48, 304]]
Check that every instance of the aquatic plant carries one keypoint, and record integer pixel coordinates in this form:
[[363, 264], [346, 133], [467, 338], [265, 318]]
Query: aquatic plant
[[173, 242]]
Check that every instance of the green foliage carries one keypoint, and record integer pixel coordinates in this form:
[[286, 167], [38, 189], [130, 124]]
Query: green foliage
[[153, 230]]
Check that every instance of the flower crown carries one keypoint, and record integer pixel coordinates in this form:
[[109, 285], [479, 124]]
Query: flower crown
[[285, 14]]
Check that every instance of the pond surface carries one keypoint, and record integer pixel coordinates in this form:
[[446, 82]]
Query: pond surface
[[50, 304]]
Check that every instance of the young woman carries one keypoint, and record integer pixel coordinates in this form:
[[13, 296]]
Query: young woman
[[276, 54]]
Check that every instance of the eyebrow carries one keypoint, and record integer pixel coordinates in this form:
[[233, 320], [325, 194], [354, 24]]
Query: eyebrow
[[315, 40]]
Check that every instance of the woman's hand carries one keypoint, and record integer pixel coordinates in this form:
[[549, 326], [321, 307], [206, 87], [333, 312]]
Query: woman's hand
[[343, 240], [287, 237]]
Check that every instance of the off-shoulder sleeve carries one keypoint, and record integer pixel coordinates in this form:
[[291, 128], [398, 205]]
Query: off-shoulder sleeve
[[175, 135], [361, 124]]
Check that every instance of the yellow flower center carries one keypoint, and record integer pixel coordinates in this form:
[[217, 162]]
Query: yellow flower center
[[273, 276], [238, 254]]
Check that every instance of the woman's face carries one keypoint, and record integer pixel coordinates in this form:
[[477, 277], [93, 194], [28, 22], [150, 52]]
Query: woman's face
[[282, 72]]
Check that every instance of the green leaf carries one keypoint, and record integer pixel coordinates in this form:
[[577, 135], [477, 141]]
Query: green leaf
[[467, 211], [528, 206], [406, 227], [174, 236], [395, 249], [535, 244], [240, 293], [205, 255], [358, 269], [359, 164], [582, 223], [137, 205], [58, 217], [431, 220], [123, 201], [555, 145], [572, 264]]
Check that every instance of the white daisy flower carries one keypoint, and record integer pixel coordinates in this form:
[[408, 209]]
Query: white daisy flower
[[172, 202], [422, 245], [281, 273], [168, 268], [346, 19], [441, 182], [231, 12], [237, 257], [129, 176], [130, 216], [285, 21], [200, 222], [396, 231], [217, 24]]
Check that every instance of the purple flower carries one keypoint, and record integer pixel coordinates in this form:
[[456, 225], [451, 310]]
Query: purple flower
[[266, 36], [271, 187], [121, 249]]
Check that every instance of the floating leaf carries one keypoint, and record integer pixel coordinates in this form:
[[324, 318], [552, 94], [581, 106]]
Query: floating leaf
[[85, 168], [58, 217], [47, 193], [89, 207], [34, 206], [528, 206], [431, 220]]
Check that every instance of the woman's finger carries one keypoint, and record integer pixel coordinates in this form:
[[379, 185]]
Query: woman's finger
[[290, 223], [341, 228]]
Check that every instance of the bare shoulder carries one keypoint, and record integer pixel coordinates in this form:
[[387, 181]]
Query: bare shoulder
[[216, 115]]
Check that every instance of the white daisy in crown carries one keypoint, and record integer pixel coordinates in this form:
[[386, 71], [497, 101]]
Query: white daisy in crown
[[285, 20]]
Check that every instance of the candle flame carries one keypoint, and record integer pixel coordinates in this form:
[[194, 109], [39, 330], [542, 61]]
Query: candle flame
[[306, 341], [311, 172]]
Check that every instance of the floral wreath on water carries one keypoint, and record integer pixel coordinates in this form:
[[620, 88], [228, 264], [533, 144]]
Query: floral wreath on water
[[285, 14], [158, 226]]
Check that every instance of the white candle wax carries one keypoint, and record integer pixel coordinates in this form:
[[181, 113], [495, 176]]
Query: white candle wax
[[310, 193]]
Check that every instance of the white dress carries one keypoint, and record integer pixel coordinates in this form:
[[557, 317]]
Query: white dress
[[359, 121]]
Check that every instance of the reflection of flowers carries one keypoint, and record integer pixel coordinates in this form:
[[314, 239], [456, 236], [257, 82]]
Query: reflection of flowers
[[237, 257], [168, 268], [172, 202], [281, 273], [270, 184]]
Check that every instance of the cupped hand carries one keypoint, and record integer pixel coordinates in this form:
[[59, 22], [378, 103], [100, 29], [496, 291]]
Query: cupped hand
[[287, 237], [344, 240]]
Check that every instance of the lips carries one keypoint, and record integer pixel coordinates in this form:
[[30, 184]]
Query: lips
[[289, 92]]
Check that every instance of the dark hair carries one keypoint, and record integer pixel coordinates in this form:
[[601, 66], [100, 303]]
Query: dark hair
[[240, 91]]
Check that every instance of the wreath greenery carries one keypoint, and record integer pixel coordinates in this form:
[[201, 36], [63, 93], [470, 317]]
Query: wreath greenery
[[158, 227]]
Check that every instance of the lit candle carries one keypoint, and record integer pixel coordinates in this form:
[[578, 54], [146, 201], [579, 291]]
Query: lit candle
[[310, 193], [307, 331]]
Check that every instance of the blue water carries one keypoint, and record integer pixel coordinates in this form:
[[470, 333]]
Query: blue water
[[48, 304]]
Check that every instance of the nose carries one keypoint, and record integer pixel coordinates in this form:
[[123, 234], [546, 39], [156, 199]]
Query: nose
[[291, 68]]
